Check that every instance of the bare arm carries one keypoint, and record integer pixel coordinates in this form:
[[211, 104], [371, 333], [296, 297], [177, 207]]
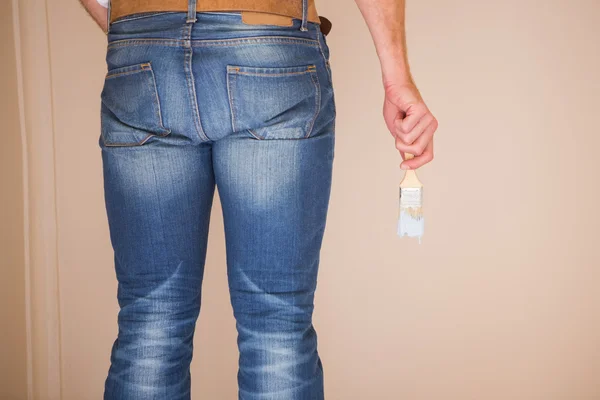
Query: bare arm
[[406, 115], [97, 12]]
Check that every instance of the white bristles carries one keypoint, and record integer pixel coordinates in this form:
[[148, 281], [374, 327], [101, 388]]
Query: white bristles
[[411, 226], [411, 222]]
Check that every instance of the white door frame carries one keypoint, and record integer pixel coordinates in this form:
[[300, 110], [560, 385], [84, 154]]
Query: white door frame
[[41, 257]]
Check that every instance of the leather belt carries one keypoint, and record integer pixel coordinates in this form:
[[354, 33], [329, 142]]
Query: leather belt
[[271, 12]]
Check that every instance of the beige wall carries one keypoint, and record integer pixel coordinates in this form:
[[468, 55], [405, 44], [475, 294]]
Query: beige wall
[[499, 302], [13, 372]]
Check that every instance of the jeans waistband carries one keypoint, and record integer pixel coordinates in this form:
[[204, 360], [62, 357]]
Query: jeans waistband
[[176, 28], [301, 9]]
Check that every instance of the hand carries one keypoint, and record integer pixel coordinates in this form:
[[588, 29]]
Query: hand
[[411, 123], [98, 12]]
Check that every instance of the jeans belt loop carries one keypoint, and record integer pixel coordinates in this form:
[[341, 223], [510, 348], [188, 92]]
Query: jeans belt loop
[[108, 18], [304, 15], [191, 15]]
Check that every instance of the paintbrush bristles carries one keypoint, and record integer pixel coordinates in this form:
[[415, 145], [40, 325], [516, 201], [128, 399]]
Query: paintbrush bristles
[[414, 212]]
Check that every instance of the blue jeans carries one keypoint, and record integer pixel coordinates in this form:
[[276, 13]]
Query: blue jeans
[[248, 109]]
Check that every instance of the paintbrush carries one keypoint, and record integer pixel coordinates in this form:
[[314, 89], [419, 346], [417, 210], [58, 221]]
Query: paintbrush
[[410, 216]]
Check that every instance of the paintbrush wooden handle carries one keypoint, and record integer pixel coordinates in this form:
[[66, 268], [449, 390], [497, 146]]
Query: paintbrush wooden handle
[[410, 176]]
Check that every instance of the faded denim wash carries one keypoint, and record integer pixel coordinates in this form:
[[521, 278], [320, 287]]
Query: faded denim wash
[[248, 109]]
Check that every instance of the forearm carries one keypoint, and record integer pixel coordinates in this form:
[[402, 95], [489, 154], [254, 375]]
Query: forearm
[[97, 12], [385, 19]]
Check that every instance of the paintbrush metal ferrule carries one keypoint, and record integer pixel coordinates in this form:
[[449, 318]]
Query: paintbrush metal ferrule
[[411, 197]]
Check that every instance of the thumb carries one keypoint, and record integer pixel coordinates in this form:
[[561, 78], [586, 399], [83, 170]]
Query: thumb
[[392, 115]]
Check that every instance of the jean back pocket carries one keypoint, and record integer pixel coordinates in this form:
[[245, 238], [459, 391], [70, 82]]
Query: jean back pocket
[[131, 113], [274, 102]]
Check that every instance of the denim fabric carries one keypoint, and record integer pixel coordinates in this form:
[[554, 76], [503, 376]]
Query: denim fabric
[[248, 109]]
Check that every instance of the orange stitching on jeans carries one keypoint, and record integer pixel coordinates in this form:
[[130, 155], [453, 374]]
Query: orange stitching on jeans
[[154, 88], [115, 75], [215, 42], [273, 75], [238, 71]]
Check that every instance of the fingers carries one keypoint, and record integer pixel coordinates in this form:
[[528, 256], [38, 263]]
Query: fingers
[[414, 113], [411, 124], [419, 161], [391, 114], [410, 136], [423, 133]]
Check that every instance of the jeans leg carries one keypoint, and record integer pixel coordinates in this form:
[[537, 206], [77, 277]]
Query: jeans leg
[[275, 195], [158, 201]]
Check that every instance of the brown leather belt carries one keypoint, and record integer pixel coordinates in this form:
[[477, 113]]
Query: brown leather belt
[[270, 12]]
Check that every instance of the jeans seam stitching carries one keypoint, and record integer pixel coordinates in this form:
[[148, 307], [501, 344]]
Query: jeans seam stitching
[[127, 69], [189, 76], [272, 75], [253, 41], [132, 42], [325, 59], [311, 125], [230, 87], [216, 42], [154, 88], [111, 76], [256, 135]]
